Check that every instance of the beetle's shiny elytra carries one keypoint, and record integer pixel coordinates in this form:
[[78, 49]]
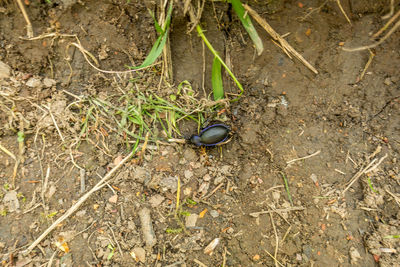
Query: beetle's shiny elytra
[[211, 135]]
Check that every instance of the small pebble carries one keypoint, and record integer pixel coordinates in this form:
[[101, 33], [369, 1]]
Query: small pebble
[[218, 180], [147, 227], [207, 177], [276, 195], [388, 81], [191, 220], [49, 82], [214, 213], [33, 82], [139, 254], [156, 200], [188, 174], [5, 70]]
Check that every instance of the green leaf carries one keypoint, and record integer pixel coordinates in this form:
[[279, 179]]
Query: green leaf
[[216, 80], [191, 201], [21, 137], [160, 42], [248, 26], [215, 53], [173, 231]]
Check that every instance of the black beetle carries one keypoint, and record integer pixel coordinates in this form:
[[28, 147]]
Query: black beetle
[[211, 136]]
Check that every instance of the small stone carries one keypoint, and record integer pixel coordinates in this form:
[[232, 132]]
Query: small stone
[[81, 213], [230, 230], [197, 165], [139, 254], [314, 178], [207, 178], [169, 183], [113, 199], [131, 225], [33, 82], [5, 70], [226, 170], [191, 220], [203, 188], [156, 200], [214, 213], [218, 180], [147, 227], [140, 174], [49, 82], [188, 174], [354, 255], [190, 155], [10, 200], [276, 195], [388, 81], [299, 257], [51, 191], [187, 191], [256, 257]]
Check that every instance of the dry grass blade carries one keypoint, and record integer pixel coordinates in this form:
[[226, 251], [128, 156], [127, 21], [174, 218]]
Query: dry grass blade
[[8, 152], [386, 25], [279, 38], [29, 29], [371, 57], [343, 12]]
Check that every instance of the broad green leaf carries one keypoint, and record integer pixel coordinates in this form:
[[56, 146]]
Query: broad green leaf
[[216, 80]]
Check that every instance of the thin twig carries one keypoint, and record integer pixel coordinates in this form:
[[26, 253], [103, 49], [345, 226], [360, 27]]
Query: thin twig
[[74, 207], [55, 123], [279, 38], [376, 165], [275, 259], [115, 239], [313, 10], [8, 152], [306, 157], [29, 29], [344, 13], [212, 192], [392, 19], [396, 198], [360, 48], [276, 240], [199, 263], [370, 167], [285, 235], [391, 10], [256, 214], [357, 175], [224, 258], [85, 52], [371, 56]]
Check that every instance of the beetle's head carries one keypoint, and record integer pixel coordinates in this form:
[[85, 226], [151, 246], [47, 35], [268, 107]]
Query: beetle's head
[[195, 139]]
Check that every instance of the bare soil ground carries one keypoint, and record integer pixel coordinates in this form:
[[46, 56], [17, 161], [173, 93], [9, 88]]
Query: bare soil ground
[[345, 125]]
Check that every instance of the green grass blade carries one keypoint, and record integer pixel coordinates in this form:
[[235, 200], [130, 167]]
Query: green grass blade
[[159, 44], [215, 53], [216, 80], [246, 21], [287, 187]]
